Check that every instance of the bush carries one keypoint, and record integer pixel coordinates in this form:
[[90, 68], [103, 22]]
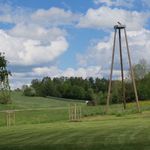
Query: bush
[[5, 97], [100, 98], [29, 91]]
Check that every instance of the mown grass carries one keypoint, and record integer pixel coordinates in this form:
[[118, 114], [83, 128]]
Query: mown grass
[[93, 133], [42, 124], [19, 101], [36, 110], [33, 110]]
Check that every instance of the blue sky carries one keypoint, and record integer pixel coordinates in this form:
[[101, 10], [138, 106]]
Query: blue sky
[[70, 37]]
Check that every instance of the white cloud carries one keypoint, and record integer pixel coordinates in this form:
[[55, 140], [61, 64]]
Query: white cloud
[[105, 17], [34, 37], [124, 3], [9, 14], [36, 32], [54, 16], [47, 71], [29, 51], [100, 53], [46, 17], [90, 71]]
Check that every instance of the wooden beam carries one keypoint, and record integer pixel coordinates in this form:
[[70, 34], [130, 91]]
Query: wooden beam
[[122, 74], [132, 73], [111, 72]]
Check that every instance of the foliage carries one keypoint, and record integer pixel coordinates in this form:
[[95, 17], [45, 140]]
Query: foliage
[[5, 97], [29, 91], [4, 83], [141, 69], [73, 87]]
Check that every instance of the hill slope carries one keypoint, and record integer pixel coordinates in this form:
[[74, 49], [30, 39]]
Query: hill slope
[[19, 101]]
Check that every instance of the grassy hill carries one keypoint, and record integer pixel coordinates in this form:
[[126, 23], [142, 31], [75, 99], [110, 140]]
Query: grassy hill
[[19, 101], [42, 124]]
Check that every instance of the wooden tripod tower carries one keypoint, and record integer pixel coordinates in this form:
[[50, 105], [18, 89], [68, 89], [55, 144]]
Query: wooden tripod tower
[[118, 28]]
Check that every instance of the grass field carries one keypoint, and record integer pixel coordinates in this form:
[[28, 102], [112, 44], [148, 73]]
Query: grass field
[[42, 124]]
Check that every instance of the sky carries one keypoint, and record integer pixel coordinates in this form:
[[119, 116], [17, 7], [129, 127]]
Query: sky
[[70, 37]]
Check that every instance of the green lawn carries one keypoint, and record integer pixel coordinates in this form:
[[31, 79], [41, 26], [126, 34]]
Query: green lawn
[[110, 133], [23, 102], [35, 110], [42, 124]]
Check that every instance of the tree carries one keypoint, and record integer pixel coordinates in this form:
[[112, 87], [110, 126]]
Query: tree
[[4, 82], [36, 84], [29, 91], [116, 92], [90, 94], [144, 88], [78, 92], [140, 69]]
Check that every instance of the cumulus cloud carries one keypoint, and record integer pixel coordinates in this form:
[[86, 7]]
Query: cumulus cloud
[[106, 17], [100, 53], [54, 16], [90, 71], [34, 37], [36, 32], [29, 51]]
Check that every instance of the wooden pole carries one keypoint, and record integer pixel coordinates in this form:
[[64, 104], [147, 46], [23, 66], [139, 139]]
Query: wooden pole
[[80, 113], [14, 118], [132, 73], [111, 72], [75, 112], [122, 74], [10, 118], [69, 110], [7, 118]]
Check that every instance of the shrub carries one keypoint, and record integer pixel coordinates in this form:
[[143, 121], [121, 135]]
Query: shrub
[[29, 91], [5, 97]]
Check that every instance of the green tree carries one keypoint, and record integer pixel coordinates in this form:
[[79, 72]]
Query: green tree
[[4, 82], [116, 92], [140, 69], [90, 94], [78, 92], [36, 84], [29, 91]]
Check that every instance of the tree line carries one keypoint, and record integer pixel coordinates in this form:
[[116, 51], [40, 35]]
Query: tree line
[[92, 89], [72, 88]]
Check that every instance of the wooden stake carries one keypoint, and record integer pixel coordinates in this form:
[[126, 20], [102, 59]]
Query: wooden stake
[[10, 118], [74, 112]]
